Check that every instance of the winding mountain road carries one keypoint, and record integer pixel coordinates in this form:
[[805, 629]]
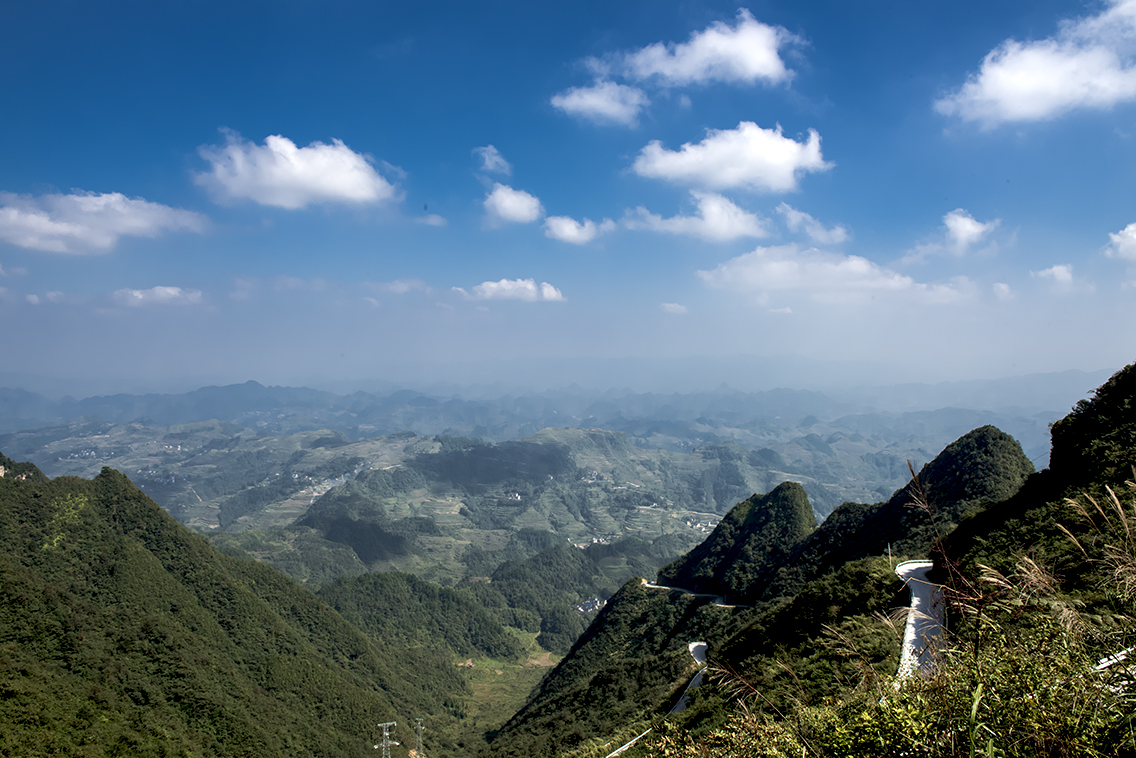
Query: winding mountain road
[[924, 626], [718, 599], [698, 652], [924, 620]]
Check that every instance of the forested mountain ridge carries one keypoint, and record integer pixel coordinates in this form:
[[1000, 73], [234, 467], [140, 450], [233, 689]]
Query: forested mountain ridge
[[1039, 600], [769, 546], [753, 540], [981, 468], [826, 587], [121, 632]]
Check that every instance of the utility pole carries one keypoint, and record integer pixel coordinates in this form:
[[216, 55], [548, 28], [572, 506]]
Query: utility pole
[[418, 749], [387, 741]]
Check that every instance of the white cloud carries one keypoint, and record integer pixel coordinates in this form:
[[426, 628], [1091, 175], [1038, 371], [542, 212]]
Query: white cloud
[[747, 157], [1123, 243], [718, 219], [86, 222], [1003, 291], [603, 103], [505, 204], [1061, 274], [960, 233], [963, 231], [673, 308], [825, 277], [797, 220], [432, 219], [54, 297], [285, 176], [514, 289], [746, 53], [567, 229], [158, 296], [1087, 64], [492, 161], [1062, 280], [33, 299]]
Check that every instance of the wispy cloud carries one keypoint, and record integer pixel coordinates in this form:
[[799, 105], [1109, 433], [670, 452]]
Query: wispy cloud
[[492, 162], [401, 286], [825, 277], [431, 219], [799, 220], [673, 308], [51, 297], [1088, 64], [959, 235], [158, 296], [514, 289], [87, 222], [1062, 280], [718, 219], [748, 157], [282, 175]]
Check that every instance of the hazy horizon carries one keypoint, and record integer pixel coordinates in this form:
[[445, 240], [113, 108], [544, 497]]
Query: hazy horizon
[[1041, 392]]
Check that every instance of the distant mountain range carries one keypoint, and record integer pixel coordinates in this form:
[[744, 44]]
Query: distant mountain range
[[1021, 406]]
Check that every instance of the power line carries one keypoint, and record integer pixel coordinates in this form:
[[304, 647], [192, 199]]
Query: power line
[[418, 749]]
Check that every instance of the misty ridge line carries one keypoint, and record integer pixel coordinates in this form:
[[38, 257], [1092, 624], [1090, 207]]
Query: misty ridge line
[[934, 414], [1026, 393]]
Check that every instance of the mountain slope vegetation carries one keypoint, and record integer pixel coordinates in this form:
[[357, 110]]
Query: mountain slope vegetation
[[1039, 598], [121, 632], [749, 543], [834, 587]]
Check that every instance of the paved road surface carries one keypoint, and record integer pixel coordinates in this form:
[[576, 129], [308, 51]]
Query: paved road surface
[[924, 620], [698, 652], [718, 599]]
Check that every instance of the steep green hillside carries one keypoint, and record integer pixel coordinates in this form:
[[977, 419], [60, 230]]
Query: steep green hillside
[[752, 541], [1039, 596], [793, 645], [630, 656], [401, 609], [122, 633], [980, 468]]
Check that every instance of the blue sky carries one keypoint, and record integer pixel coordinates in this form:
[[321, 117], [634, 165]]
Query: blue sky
[[660, 195]]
